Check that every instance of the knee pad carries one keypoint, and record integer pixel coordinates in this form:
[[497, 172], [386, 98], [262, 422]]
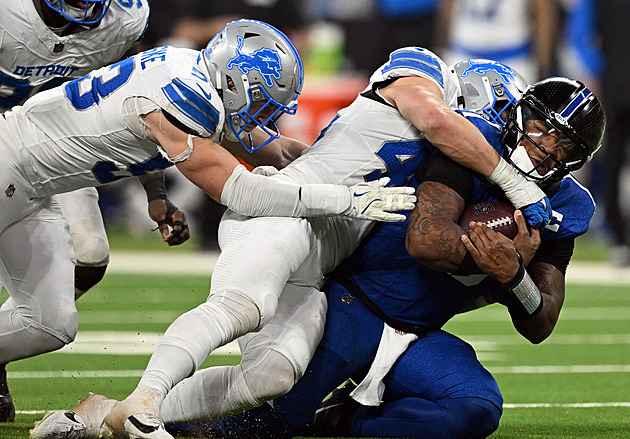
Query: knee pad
[[236, 309], [31, 337], [64, 327], [267, 376], [91, 249]]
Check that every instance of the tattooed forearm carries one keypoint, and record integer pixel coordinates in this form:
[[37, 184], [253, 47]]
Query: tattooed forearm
[[433, 233]]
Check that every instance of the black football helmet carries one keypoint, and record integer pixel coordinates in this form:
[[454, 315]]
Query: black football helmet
[[554, 129]]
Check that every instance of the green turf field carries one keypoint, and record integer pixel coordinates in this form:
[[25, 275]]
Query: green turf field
[[576, 384]]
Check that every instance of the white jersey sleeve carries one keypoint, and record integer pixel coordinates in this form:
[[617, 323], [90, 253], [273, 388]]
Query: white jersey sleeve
[[89, 131], [417, 61], [34, 58]]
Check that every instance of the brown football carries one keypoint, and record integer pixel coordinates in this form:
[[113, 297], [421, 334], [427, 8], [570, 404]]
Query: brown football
[[496, 215]]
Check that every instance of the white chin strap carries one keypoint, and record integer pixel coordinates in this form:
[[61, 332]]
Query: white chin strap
[[521, 159]]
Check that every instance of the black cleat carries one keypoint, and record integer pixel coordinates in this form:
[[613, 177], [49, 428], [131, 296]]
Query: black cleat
[[7, 409], [334, 415]]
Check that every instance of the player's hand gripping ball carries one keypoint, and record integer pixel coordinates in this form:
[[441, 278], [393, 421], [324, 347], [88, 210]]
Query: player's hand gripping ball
[[496, 215]]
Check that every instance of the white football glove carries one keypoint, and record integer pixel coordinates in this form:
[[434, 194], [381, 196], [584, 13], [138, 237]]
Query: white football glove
[[374, 201]]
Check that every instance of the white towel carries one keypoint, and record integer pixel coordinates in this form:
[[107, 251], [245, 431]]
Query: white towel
[[393, 343]]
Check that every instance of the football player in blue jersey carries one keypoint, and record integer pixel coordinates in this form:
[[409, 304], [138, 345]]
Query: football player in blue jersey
[[385, 309]]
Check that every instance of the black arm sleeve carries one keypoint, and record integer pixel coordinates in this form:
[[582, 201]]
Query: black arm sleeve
[[441, 169], [556, 252]]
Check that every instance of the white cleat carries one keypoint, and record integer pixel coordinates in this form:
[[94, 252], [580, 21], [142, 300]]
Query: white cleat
[[146, 426], [82, 422], [138, 426], [59, 425], [136, 417]]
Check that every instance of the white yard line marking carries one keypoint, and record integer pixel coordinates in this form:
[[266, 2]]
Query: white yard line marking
[[505, 406], [202, 263], [569, 405], [516, 370], [583, 368], [126, 343]]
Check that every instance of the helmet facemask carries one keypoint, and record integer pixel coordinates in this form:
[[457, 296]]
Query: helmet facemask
[[489, 88], [91, 14], [261, 111], [541, 144]]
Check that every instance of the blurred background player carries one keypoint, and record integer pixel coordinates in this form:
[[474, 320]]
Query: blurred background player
[[613, 35], [519, 33]]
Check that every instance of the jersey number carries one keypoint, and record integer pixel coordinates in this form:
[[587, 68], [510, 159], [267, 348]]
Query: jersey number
[[87, 91], [106, 172], [401, 160]]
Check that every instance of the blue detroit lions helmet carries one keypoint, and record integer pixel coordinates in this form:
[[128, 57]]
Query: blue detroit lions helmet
[[87, 12], [488, 87], [252, 62]]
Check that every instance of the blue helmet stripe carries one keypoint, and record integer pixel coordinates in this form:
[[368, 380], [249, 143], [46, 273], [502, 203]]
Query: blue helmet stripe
[[416, 61], [192, 104], [575, 103]]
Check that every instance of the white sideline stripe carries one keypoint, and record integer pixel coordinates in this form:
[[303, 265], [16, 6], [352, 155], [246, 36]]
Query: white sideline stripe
[[194, 263], [202, 263], [505, 406], [497, 313], [586, 368], [494, 342], [590, 368], [126, 343], [568, 405], [144, 343]]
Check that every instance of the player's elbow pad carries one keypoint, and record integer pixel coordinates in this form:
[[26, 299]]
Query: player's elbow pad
[[257, 195]]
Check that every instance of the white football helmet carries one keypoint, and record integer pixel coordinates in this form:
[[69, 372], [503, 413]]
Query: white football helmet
[[252, 62], [86, 12], [488, 87]]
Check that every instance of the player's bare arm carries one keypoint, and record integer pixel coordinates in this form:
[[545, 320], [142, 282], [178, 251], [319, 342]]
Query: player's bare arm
[[216, 171], [209, 165], [278, 153], [420, 101], [498, 258], [433, 233]]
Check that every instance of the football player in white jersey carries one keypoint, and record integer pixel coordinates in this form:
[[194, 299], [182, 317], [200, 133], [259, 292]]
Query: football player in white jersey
[[51, 42], [136, 117], [268, 275]]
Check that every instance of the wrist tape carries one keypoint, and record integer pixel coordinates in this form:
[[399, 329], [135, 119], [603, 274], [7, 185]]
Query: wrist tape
[[155, 188], [526, 297]]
